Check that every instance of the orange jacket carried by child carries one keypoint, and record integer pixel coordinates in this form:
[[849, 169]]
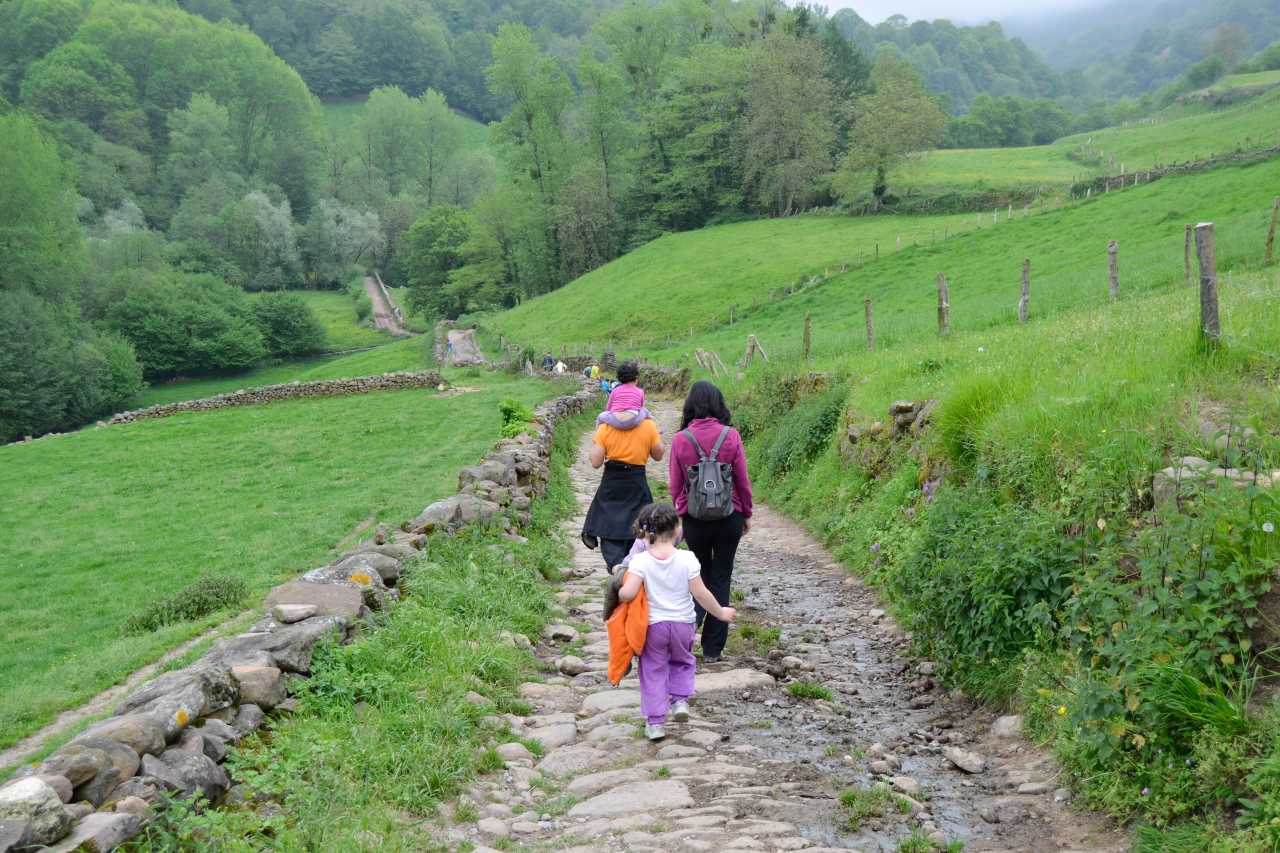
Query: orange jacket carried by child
[[627, 625]]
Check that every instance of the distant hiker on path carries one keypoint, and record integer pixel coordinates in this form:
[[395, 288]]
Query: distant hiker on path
[[712, 493], [624, 488], [672, 582]]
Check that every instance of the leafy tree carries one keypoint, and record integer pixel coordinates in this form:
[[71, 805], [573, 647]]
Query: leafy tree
[[391, 134], [28, 30], [257, 235], [41, 247], [338, 237], [181, 323], [288, 325], [56, 372], [77, 81], [790, 131], [200, 144], [434, 248], [897, 120], [441, 136]]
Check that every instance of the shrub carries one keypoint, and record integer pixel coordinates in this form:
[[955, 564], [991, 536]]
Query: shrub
[[364, 306], [209, 594], [288, 325], [183, 323], [516, 417], [804, 432], [56, 371], [808, 690]]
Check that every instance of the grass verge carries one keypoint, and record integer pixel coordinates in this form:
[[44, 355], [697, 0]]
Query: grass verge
[[385, 731]]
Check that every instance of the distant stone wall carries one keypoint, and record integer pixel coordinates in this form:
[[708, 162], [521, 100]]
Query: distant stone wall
[[170, 736], [653, 378], [287, 391]]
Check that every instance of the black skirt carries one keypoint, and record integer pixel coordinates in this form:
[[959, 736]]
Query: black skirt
[[623, 492]]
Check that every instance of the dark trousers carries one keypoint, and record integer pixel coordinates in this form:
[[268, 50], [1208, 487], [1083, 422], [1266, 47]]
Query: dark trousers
[[614, 551], [715, 544]]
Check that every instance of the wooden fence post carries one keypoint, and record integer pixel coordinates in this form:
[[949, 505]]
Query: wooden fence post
[[1271, 232], [877, 251], [871, 328], [899, 243], [1113, 270], [1205, 250], [1024, 302], [808, 337], [944, 306], [1186, 256]]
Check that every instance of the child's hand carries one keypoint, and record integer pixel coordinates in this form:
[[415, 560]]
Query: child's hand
[[728, 614]]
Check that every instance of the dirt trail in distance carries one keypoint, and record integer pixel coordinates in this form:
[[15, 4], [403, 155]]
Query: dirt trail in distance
[[384, 311]]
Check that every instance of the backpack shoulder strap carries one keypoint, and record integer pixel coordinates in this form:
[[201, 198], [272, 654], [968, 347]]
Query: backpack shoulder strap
[[715, 451], [702, 454]]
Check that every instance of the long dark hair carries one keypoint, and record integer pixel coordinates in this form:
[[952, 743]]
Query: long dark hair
[[705, 401]]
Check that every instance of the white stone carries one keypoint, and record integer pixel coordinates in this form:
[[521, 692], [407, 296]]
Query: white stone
[[707, 683], [514, 752], [626, 799], [969, 762], [553, 736], [36, 802], [287, 614], [594, 783], [1007, 727], [610, 700], [906, 785], [494, 827]]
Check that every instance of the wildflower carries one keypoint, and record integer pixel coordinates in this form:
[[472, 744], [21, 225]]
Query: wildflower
[[1146, 791], [1102, 524], [1062, 710], [875, 549], [1268, 527], [982, 349]]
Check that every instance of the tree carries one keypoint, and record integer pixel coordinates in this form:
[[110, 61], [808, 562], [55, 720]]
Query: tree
[[1230, 43], [790, 129], [200, 144], [181, 323], [56, 371], [77, 81], [41, 247], [434, 249], [606, 123], [336, 238], [391, 134], [288, 325], [897, 120], [257, 235], [441, 136]]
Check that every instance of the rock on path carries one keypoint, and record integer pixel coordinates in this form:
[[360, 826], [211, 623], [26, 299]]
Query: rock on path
[[758, 768]]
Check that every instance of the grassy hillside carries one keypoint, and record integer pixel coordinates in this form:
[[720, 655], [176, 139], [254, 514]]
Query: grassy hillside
[[1178, 135], [691, 279], [257, 493], [1068, 252], [694, 278]]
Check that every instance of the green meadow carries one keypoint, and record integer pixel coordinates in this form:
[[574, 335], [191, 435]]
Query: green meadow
[[1067, 248], [100, 523], [690, 279], [336, 311], [1176, 135]]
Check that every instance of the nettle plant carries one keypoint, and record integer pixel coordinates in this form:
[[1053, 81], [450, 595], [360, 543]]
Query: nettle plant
[[1156, 611]]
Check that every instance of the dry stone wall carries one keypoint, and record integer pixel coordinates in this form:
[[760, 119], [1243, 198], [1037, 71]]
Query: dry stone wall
[[288, 391], [171, 735]]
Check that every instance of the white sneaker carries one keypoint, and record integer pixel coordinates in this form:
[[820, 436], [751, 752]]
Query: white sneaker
[[680, 711], [654, 733]]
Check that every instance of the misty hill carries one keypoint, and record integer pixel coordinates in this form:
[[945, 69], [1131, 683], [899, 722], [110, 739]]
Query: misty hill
[[1128, 48]]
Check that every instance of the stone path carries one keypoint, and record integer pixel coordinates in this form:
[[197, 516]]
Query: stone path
[[758, 768]]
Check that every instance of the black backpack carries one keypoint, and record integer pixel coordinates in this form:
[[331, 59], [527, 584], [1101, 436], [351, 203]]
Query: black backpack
[[708, 485]]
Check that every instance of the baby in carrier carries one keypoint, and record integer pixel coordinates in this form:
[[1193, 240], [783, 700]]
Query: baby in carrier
[[625, 409]]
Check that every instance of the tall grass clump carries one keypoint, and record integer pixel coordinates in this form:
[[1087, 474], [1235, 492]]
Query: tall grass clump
[[206, 595]]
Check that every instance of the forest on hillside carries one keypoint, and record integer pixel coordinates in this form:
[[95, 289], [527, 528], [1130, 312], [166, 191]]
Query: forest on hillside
[[158, 166]]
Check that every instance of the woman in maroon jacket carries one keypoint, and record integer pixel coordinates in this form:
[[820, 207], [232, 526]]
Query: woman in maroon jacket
[[714, 543]]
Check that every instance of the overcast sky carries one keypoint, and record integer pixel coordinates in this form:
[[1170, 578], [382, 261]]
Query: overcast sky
[[972, 11]]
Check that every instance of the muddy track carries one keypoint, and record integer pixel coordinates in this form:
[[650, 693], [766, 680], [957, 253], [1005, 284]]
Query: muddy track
[[384, 312], [756, 768]]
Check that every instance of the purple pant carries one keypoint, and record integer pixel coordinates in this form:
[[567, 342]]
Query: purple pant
[[666, 669]]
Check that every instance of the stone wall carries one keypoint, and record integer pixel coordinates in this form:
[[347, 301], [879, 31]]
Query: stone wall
[[287, 391], [654, 378], [171, 735]]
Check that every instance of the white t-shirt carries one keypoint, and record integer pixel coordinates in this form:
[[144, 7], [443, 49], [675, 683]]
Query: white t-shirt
[[666, 584]]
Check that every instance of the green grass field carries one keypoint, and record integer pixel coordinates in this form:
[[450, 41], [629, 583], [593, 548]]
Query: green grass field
[[100, 523], [1256, 79], [336, 311], [694, 278], [1180, 134], [407, 354], [701, 273]]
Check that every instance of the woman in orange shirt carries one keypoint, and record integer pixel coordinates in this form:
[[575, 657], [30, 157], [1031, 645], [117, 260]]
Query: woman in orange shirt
[[624, 489]]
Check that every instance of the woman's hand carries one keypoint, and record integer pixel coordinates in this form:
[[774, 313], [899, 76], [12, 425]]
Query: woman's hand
[[746, 526], [727, 614]]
